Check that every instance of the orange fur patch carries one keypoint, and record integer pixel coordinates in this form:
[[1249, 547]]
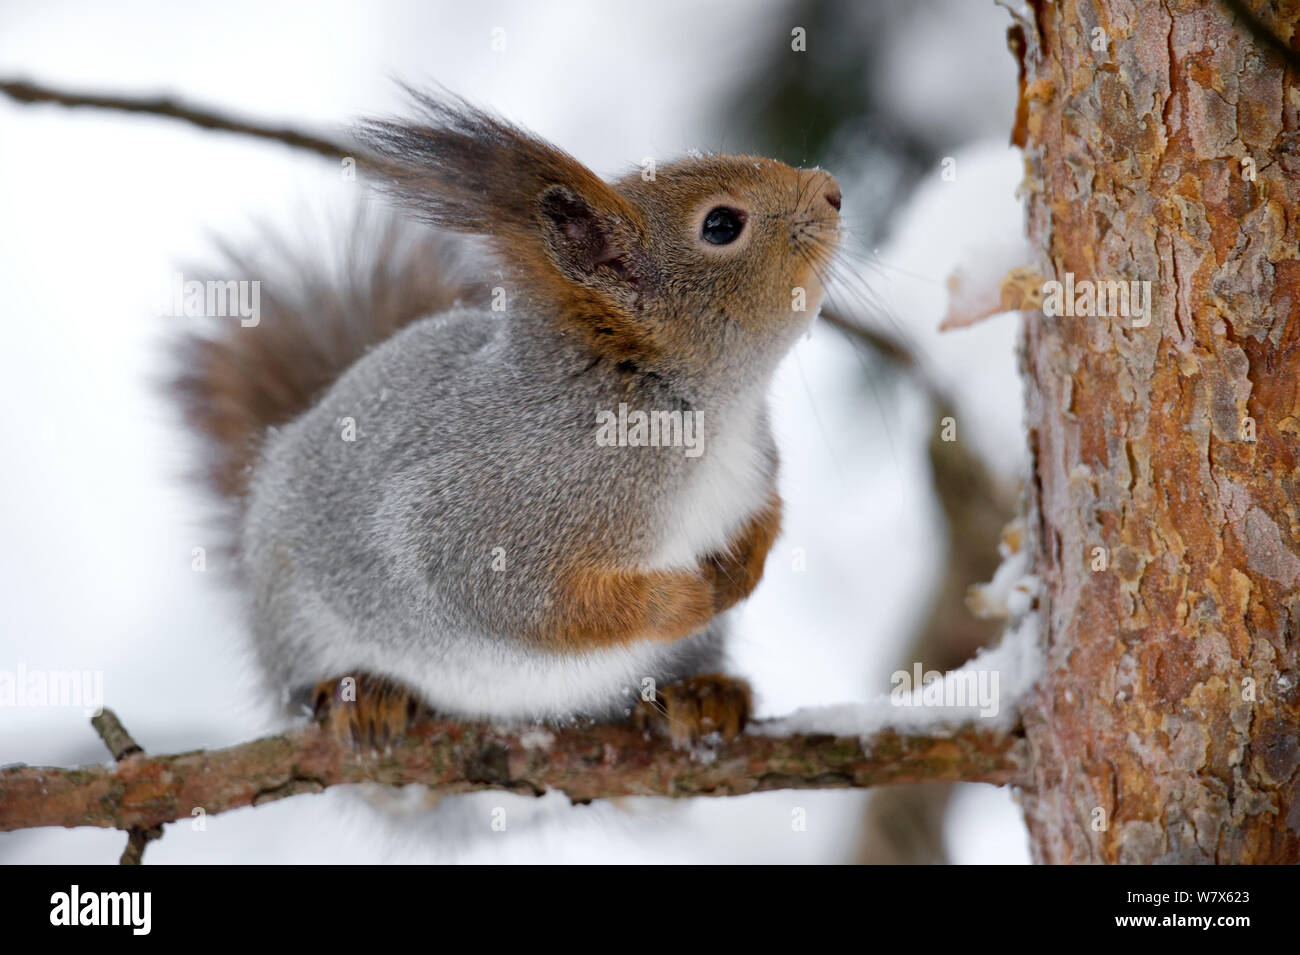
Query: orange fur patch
[[602, 606], [735, 572]]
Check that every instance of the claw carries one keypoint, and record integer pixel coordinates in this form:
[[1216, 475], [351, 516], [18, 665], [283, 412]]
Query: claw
[[698, 707], [363, 711]]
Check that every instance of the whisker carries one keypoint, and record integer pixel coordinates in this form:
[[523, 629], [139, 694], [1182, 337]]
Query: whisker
[[821, 426], [857, 251], [856, 346], [849, 290], [798, 203]]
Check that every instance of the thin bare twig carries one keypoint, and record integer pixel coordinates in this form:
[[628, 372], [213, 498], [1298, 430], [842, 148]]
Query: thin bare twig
[[121, 745], [114, 735], [25, 92]]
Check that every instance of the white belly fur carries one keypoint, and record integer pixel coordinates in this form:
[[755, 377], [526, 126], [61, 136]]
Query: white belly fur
[[729, 484]]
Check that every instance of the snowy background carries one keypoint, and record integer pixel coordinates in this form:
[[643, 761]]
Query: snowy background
[[97, 520]]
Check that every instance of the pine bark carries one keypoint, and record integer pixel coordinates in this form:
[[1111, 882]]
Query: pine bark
[[1165, 527]]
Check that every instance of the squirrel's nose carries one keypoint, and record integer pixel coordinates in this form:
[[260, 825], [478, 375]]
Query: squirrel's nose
[[824, 189]]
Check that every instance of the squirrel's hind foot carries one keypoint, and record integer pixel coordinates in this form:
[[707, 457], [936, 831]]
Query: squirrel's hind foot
[[363, 711], [698, 707]]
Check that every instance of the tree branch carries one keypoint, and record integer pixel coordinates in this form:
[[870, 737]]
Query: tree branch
[[590, 762], [25, 92]]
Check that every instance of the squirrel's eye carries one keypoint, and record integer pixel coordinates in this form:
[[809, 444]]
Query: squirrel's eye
[[722, 226]]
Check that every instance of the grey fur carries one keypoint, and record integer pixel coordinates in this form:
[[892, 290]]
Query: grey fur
[[472, 432]]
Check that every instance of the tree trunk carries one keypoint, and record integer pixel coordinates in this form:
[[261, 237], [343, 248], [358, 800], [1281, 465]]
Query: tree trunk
[[1164, 517]]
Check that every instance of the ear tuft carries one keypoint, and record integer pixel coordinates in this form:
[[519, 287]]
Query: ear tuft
[[571, 239], [460, 168]]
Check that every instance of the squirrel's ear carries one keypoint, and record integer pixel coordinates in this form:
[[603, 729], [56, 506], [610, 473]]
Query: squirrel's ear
[[460, 168], [582, 240]]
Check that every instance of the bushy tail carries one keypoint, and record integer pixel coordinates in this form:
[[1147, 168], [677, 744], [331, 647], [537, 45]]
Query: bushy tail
[[317, 316]]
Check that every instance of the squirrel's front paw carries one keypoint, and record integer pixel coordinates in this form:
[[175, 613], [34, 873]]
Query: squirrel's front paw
[[364, 711], [697, 707]]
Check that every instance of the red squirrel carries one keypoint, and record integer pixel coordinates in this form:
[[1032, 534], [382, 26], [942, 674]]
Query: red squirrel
[[535, 508]]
